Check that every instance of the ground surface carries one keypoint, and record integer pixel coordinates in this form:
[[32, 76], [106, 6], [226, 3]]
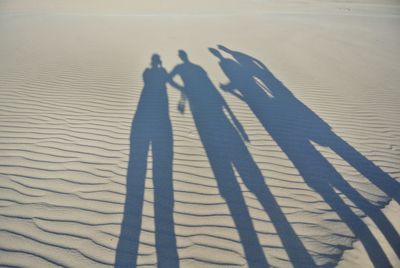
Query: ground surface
[[323, 154]]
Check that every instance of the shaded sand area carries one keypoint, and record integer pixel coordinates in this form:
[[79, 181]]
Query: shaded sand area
[[275, 143]]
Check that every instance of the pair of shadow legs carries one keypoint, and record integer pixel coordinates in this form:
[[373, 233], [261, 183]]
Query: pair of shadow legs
[[293, 126], [238, 158], [151, 128], [128, 245], [321, 176], [295, 141]]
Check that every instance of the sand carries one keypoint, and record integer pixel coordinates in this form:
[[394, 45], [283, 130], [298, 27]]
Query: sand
[[285, 153]]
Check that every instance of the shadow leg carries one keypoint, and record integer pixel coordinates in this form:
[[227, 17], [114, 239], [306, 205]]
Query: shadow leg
[[167, 255], [231, 192], [373, 212], [318, 173], [366, 167], [252, 177], [128, 244]]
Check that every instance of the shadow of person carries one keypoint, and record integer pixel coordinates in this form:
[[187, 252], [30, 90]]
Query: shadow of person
[[223, 140], [294, 126], [151, 126]]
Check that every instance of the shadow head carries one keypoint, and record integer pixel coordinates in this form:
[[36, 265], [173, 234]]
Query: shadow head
[[224, 48], [183, 55], [156, 60], [215, 52]]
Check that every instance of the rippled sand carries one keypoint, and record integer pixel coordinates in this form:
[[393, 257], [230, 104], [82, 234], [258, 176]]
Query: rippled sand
[[326, 147]]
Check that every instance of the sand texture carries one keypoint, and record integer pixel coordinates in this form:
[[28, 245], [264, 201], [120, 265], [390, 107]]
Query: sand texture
[[199, 134]]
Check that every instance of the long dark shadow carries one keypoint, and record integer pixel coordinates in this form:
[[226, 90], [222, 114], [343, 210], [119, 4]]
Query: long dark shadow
[[151, 127], [294, 127], [223, 139]]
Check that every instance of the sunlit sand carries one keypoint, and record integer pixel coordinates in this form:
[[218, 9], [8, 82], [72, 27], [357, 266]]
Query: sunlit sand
[[199, 133]]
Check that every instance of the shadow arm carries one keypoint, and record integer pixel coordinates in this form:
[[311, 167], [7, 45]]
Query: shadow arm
[[236, 122], [182, 103], [172, 82], [229, 87]]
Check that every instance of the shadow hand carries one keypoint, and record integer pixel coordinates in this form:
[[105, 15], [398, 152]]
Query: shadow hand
[[181, 106]]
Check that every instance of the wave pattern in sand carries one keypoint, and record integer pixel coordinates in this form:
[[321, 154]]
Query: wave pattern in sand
[[65, 125]]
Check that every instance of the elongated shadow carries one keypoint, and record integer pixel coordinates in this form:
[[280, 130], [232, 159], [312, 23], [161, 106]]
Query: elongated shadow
[[151, 127], [223, 139], [294, 127]]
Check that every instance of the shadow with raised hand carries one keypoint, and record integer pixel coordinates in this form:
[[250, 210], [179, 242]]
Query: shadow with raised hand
[[223, 139], [151, 127], [294, 127]]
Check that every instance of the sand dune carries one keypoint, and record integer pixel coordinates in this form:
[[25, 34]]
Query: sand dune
[[285, 152]]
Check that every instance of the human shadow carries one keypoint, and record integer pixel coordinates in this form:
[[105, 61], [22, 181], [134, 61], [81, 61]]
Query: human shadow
[[224, 139], [151, 127], [294, 127]]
